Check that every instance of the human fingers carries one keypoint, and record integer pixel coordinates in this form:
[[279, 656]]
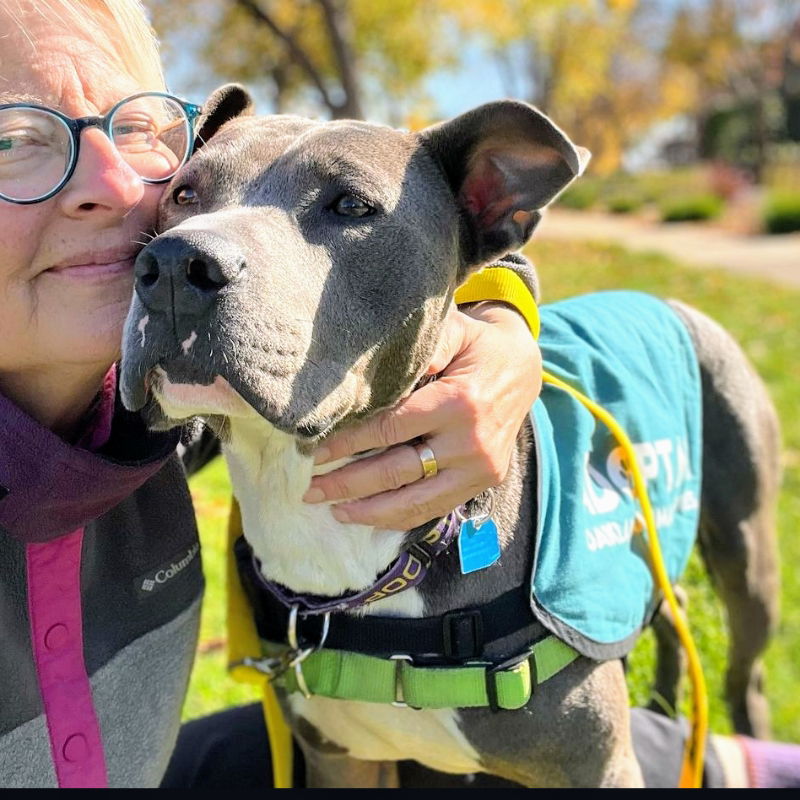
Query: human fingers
[[470, 417], [411, 505], [414, 416], [396, 467]]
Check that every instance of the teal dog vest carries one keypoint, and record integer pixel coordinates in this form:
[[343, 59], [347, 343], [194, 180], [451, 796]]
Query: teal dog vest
[[631, 354]]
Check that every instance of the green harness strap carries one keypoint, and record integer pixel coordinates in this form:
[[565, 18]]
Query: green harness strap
[[354, 676]]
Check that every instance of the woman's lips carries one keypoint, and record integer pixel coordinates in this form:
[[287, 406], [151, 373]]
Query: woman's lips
[[95, 270]]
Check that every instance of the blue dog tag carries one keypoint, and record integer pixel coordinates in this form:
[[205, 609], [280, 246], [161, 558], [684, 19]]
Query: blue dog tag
[[478, 546]]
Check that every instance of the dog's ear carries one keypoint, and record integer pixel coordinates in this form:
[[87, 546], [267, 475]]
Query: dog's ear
[[505, 161], [229, 101]]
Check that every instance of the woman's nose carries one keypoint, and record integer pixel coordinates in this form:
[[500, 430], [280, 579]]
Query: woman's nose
[[102, 184]]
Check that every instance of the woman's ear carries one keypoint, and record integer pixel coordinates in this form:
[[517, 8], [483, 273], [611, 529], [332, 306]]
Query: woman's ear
[[505, 161], [224, 104]]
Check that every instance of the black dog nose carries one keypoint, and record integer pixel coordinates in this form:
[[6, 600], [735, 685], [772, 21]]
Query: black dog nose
[[183, 272]]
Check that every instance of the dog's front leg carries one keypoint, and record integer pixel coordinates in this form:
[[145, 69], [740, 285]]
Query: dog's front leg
[[324, 770], [328, 765]]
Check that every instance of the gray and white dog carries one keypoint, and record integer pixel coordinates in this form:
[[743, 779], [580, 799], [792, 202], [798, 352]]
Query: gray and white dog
[[299, 284]]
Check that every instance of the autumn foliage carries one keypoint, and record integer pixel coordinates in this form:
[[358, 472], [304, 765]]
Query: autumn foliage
[[607, 70]]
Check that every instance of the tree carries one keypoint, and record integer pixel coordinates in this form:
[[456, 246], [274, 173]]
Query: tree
[[328, 54], [608, 70], [729, 55], [584, 64], [790, 85]]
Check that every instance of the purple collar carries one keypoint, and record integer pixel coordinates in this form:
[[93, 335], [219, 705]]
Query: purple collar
[[408, 570], [49, 487]]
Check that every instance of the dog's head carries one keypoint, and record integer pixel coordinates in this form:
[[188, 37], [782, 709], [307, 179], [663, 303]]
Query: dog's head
[[309, 265]]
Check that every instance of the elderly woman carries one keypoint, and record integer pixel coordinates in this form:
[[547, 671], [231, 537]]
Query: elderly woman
[[100, 584], [97, 647]]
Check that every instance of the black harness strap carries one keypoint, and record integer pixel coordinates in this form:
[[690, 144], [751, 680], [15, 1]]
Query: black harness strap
[[457, 636]]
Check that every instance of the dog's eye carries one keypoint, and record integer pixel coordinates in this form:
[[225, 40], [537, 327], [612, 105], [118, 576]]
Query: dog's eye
[[184, 196], [348, 205]]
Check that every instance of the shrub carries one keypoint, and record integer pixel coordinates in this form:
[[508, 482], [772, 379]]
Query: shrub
[[782, 212], [623, 203], [663, 185], [691, 208], [581, 195]]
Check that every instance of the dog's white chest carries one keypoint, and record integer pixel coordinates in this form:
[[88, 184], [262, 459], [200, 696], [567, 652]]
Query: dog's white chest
[[376, 732], [305, 548]]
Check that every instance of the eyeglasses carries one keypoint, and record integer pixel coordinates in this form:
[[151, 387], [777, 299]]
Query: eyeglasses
[[152, 131]]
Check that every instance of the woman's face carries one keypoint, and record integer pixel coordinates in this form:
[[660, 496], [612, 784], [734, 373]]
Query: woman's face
[[66, 264]]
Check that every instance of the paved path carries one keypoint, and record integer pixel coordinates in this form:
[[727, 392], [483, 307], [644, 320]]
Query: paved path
[[776, 258]]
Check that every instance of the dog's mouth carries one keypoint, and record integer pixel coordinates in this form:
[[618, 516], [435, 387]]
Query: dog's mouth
[[171, 393], [226, 370], [184, 400]]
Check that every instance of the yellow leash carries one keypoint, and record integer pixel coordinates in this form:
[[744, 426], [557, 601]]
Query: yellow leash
[[692, 767], [280, 739], [243, 643]]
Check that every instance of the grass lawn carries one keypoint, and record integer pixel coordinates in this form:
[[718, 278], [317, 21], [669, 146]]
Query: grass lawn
[[765, 320]]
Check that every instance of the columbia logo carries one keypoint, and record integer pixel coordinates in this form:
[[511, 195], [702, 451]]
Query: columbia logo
[[154, 580]]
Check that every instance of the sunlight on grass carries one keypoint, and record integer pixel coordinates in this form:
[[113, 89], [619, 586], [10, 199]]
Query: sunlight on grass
[[764, 319], [210, 688]]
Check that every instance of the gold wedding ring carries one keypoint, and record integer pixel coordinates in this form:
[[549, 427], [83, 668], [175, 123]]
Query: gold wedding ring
[[428, 460]]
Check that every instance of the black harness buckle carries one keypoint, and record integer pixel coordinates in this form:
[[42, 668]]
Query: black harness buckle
[[462, 634]]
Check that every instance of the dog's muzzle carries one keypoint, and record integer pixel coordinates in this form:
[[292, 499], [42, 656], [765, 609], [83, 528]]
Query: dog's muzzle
[[183, 273]]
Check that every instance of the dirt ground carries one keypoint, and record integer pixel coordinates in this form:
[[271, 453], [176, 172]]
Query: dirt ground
[[774, 258]]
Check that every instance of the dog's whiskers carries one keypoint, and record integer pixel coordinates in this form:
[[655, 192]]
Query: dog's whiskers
[[148, 237]]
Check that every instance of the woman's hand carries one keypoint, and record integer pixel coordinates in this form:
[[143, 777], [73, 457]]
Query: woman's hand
[[490, 369]]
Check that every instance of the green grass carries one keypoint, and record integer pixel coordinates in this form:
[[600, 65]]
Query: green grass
[[763, 317], [210, 688]]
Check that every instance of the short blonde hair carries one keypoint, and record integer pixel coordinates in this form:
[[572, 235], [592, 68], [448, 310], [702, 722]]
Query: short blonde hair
[[132, 41]]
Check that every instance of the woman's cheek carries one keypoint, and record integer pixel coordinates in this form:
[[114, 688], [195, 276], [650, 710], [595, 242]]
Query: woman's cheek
[[19, 233]]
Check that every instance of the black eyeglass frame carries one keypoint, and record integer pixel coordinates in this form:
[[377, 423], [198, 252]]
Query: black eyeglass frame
[[77, 125]]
